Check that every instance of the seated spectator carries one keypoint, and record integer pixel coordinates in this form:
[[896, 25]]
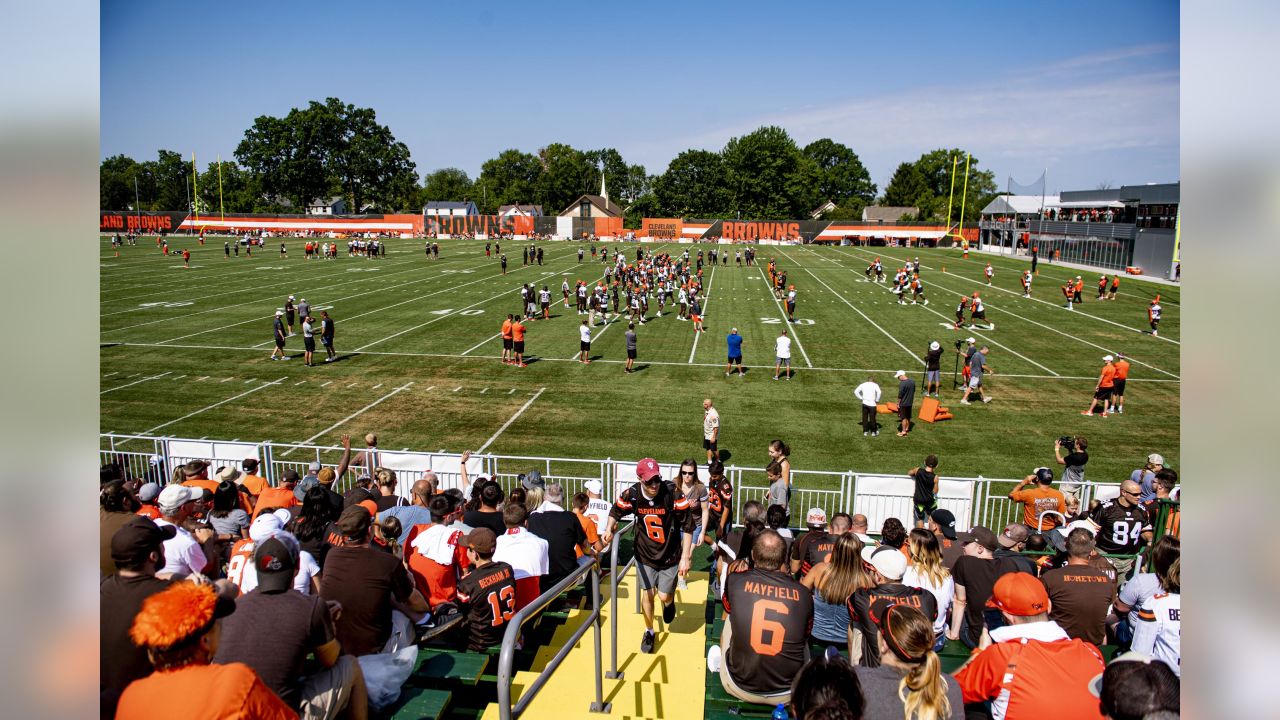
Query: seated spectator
[[581, 503], [975, 574], [776, 519], [228, 519], [888, 566], [195, 474], [770, 614], [1143, 586], [387, 497], [1166, 483], [526, 553], [816, 545], [858, 525], [1145, 476], [370, 585], [927, 572], [147, 495], [516, 496], [240, 567], [137, 550], [731, 547], [278, 497], [909, 682], [250, 480], [179, 628], [116, 508], [942, 523], [1038, 499], [1029, 668], [1135, 687], [1039, 544], [894, 534], [435, 558], [1081, 594], [311, 526], [182, 553], [827, 689], [1073, 511], [815, 523], [1158, 631], [487, 593], [275, 629], [1012, 541], [488, 514], [833, 581], [415, 513]]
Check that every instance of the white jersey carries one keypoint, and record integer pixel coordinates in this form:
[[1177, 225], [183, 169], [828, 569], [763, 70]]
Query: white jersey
[[1026, 279], [989, 271], [582, 291], [977, 306], [564, 286], [1155, 312], [1158, 630], [598, 510], [791, 298], [783, 347], [684, 297], [585, 333], [544, 296]]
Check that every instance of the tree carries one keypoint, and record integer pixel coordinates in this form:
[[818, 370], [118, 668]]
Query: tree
[[171, 180], [842, 179], [508, 179], [907, 187], [116, 176], [448, 184], [626, 183], [241, 192], [287, 154], [566, 174], [935, 168], [768, 176], [694, 186]]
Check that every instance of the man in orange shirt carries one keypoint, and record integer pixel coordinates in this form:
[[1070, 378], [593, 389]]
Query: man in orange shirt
[[196, 475], [1102, 392], [517, 342], [1117, 386], [278, 497], [253, 483], [506, 339], [1039, 498], [1115, 285], [180, 628]]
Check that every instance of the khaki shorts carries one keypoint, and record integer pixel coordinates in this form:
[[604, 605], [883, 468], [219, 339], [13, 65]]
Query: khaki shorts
[[328, 692]]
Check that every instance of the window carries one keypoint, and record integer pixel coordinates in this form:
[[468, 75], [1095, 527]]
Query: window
[[584, 209]]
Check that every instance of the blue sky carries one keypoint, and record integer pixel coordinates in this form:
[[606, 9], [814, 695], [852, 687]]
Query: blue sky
[[1086, 90]]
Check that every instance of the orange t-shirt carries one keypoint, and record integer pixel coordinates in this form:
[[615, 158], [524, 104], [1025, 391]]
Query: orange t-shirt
[[589, 527], [1038, 499], [203, 692], [506, 329], [517, 331], [1122, 369], [254, 484], [210, 485], [275, 497], [1108, 376]]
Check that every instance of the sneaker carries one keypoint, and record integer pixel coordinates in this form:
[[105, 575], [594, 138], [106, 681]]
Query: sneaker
[[965, 402], [646, 643], [714, 659], [986, 399], [1087, 414], [726, 374], [445, 618], [669, 612], [775, 377], [286, 357], [273, 357], [831, 652]]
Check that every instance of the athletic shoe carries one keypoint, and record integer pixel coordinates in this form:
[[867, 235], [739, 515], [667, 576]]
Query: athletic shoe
[[444, 619], [965, 402], [286, 357], [1087, 414], [726, 374], [669, 612], [646, 643], [273, 357], [775, 377], [986, 399], [865, 434]]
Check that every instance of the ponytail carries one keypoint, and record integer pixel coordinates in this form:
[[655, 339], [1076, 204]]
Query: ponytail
[[909, 636]]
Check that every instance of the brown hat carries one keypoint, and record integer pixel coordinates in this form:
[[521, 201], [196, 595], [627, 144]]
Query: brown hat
[[326, 476], [982, 536], [1013, 534], [354, 522], [193, 468], [482, 540]]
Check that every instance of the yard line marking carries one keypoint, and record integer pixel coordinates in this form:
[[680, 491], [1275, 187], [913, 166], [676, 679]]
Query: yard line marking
[[375, 387], [178, 378], [228, 379], [353, 385], [299, 383], [117, 372], [1067, 335], [783, 314], [1079, 313], [510, 420], [246, 382], [457, 388], [202, 378], [512, 390], [217, 404], [327, 384], [482, 342], [350, 417], [133, 375], [976, 333], [864, 315], [135, 382], [697, 335], [484, 391], [491, 358]]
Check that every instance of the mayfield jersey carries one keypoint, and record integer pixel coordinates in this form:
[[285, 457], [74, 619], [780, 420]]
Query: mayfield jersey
[[771, 615], [488, 595], [1120, 528], [1154, 312], [661, 518], [815, 551]]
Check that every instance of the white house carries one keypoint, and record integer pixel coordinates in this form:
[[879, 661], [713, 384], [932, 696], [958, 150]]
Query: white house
[[520, 211], [438, 208], [327, 206]]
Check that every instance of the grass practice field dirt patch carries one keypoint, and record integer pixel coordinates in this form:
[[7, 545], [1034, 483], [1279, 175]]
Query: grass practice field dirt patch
[[185, 352]]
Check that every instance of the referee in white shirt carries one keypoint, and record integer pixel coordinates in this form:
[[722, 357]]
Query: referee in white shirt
[[869, 393]]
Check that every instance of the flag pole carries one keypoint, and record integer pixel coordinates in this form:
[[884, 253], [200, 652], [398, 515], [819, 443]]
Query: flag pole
[[195, 191], [221, 208]]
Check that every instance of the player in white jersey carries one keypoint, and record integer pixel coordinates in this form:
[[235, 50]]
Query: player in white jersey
[[990, 273], [791, 303], [684, 303], [584, 346], [1158, 630], [544, 299], [1153, 316], [582, 298], [978, 311], [917, 291], [1026, 283], [564, 289]]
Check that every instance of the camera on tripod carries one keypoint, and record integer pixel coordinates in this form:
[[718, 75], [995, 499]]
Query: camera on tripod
[[1067, 441], [959, 343]]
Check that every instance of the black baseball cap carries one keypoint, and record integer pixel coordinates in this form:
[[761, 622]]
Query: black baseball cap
[[137, 538], [276, 564], [945, 521]]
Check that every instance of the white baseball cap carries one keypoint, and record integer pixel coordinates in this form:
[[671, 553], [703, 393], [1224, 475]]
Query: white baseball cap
[[175, 496], [816, 516], [900, 373], [593, 486], [1107, 358], [934, 345], [1155, 459], [265, 526], [279, 313], [887, 560], [970, 340]]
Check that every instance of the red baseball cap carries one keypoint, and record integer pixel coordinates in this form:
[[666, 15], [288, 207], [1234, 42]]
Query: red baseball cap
[[647, 468], [1019, 593]]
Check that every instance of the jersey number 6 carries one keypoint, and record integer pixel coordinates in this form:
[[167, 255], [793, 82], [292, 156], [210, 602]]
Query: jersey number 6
[[653, 528], [759, 625]]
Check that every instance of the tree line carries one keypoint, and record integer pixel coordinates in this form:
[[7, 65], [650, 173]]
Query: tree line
[[334, 149]]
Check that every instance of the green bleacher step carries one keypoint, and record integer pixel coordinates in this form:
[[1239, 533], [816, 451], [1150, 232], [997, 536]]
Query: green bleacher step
[[417, 703], [435, 666]]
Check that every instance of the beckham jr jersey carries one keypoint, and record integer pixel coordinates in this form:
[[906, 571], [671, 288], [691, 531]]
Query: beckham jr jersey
[[488, 595], [661, 519]]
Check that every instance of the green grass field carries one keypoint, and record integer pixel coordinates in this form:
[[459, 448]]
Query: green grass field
[[184, 352]]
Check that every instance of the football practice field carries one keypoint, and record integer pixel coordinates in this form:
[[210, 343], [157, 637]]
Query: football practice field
[[185, 353]]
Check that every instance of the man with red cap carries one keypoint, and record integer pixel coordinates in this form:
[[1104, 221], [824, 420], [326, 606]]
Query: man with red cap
[[664, 540], [1030, 667]]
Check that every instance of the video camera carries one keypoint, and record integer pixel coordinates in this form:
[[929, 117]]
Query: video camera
[[959, 343], [1067, 441]]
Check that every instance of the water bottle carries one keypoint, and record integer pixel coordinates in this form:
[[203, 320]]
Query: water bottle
[[780, 713]]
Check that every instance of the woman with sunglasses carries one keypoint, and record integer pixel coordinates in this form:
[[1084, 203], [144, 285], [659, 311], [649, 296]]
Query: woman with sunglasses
[[699, 507], [909, 682]]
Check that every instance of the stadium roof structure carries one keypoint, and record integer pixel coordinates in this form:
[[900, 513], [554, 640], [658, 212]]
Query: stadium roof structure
[[887, 213], [607, 206], [1019, 204]]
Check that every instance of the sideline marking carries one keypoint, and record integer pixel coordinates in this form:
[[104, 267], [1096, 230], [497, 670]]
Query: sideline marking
[[512, 419], [350, 417]]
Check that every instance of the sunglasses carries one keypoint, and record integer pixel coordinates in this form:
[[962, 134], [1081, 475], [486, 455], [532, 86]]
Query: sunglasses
[[688, 472]]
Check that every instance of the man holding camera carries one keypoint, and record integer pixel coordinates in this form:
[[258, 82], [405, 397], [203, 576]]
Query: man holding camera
[[1075, 461], [977, 366]]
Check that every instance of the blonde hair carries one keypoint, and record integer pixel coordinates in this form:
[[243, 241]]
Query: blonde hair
[[909, 636], [926, 556], [533, 498], [1069, 499], [845, 573]]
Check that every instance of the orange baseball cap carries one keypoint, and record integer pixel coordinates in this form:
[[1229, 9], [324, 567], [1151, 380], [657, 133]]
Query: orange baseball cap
[[1019, 593]]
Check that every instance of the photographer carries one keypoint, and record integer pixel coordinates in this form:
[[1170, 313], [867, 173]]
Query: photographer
[[1075, 461], [933, 367]]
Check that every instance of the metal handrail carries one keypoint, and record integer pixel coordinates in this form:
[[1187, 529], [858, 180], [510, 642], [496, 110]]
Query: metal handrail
[[506, 659], [616, 577], [1040, 519]]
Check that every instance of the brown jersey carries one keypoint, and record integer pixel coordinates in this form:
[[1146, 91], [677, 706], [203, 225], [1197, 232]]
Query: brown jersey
[[488, 597], [661, 519], [771, 615]]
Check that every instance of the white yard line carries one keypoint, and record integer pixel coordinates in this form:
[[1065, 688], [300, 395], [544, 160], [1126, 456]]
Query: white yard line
[[350, 417], [697, 335], [210, 407], [135, 382], [510, 420], [864, 315], [491, 358], [783, 314], [1066, 335], [482, 342]]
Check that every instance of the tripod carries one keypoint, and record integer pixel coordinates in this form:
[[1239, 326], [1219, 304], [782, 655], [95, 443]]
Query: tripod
[[955, 374]]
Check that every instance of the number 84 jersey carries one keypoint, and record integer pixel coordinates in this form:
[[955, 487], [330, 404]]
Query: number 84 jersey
[[1120, 528], [661, 518]]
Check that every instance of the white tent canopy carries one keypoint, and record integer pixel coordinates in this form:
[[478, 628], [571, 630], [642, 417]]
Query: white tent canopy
[[1019, 204]]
